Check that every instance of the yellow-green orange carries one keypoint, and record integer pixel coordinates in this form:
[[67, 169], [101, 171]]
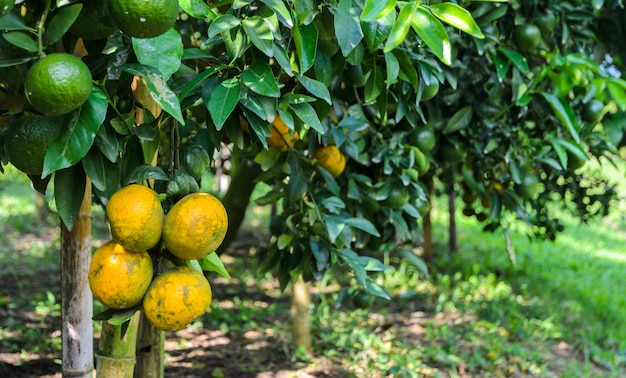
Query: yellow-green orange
[[144, 18], [58, 84], [281, 135], [27, 139], [94, 21], [119, 277], [136, 217], [176, 298], [195, 226], [331, 159]]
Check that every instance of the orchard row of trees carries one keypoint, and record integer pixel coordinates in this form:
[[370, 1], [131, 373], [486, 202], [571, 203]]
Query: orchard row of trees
[[497, 102]]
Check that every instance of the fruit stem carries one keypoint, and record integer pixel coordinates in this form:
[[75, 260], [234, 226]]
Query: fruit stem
[[40, 28]]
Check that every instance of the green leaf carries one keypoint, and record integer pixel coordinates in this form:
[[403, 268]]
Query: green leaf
[[100, 170], [13, 21], [260, 79], [283, 59], [347, 26], [376, 32], [414, 260], [281, 11], [352, 259], [517, 59], [260, 34], [433, 33], [61, 22], [363, 225], [374, 85], [145, 172], [617, 91], [120, 317], [163, 52], [212, 263], [78, 136], [69, 190], [402, 26], [377, 9], [223, 101], [305, 39], [158, 89], [316, 88], [407, 69], [458, 17], [564, 113], [197, 9], [375, 289], [223, 23], [393, 69], [460, 120], [304, 10], [307, 114], [21, 40]]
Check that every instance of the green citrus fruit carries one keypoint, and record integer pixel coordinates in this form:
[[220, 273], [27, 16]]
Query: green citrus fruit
[[6, 6], [424, 138], [27, 139], [546, 22], [144, 18], [430, 90], [574, 162], [94, 21], [593, 111], [58, 84], [362, 299], [398, 196], [527, 36]]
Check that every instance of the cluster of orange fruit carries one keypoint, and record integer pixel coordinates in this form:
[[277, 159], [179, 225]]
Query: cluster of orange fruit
[[121, 274]]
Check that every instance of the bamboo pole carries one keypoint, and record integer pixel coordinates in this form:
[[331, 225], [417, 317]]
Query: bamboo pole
[[301, 315], [76, 297], [116, 354]]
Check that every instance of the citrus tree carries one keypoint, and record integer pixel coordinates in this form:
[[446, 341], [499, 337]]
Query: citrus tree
[[351, 112]]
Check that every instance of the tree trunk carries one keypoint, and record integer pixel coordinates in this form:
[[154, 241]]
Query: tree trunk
[[301, 315], [116, 354], [427, 226], [150, 351], [453, 244], [76, 297], [242, 182]]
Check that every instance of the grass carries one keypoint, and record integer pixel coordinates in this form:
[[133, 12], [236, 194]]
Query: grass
[[557, 312]]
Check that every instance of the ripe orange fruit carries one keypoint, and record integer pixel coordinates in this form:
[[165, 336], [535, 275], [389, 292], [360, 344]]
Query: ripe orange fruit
[[27, 139], [281, 135], [176, 298], [119, 277], [195, 226], [331, 159], [144, 18], [136, 217], [58, 84], [94, 21]]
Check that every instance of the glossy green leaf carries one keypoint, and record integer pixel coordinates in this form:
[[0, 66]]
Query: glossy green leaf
[[61, 22], [407, 69], [197, 9], [617, 90], [223, 23], [517, 59], [414, 260], [564, 113], [145, 172], [163, 52], [13, 21], [98, 168], [377, 9], [316, 88], [402, 26], [69, 190], [260, 79], [376, 32], [363, 225], [78, 135], [283, 59], [305, 39], [433, 33], [458, 17], [304, 10], [21, 40], [213, 263], [374, 85], [158, 89], [393, 69], [375, 289], [223, 101], [307, 114], [281, 11], [347, 26], [260, 34], [460, 120]]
